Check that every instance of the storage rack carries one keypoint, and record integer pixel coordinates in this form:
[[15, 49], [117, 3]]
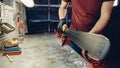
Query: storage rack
[[44, 14]]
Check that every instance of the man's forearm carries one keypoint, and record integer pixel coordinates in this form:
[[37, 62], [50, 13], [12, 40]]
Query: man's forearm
[[104, 18], [100, 25], [62, 12], [63, 9]]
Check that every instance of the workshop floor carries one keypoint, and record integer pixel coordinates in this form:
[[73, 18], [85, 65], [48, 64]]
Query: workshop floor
[[44, 51]]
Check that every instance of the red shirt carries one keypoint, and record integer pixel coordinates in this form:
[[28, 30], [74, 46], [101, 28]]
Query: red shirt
[[85, 13]]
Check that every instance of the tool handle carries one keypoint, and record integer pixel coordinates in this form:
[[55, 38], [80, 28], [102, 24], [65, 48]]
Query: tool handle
[[9, 58]]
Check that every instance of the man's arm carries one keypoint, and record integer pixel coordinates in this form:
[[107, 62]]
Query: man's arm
[[63, 9], [106, 10], [62, 15]]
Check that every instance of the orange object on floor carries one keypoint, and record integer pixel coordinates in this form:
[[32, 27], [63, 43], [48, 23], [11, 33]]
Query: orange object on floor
[[58, 34], [93, 62], [61, 36], [12, 51]]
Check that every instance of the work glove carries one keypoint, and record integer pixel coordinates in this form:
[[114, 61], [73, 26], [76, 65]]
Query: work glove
[[64, 39], [60, 25]]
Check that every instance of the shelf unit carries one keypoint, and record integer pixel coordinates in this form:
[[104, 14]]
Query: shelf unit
[[44, 15], [9, 13], [6, 14]]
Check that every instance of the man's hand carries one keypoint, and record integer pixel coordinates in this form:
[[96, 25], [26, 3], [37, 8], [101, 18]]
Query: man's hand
[[60, 24]]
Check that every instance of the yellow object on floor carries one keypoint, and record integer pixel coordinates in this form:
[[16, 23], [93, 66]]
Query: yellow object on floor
[[11, 42], [9, 58]]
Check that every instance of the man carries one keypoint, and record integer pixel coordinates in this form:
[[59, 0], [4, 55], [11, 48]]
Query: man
[[87, 15]]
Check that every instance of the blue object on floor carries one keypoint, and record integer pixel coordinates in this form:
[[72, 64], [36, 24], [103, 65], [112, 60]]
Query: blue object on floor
[[11, 49]]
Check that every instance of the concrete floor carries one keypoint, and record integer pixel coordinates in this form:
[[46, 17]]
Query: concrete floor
[[44, 51]]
